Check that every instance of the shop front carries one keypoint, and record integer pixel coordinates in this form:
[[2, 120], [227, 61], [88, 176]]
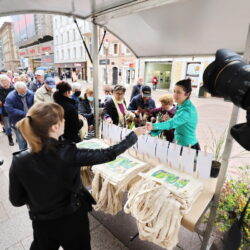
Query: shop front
[[161, 70], [77, 70]]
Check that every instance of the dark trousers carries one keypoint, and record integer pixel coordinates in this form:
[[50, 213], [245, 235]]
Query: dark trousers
[[71, 232], [196, 146]]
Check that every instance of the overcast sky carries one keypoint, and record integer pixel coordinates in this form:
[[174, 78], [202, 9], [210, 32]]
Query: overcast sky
[[4, 19]]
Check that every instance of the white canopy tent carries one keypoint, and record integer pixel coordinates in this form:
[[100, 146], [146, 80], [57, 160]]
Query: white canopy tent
[[156, 28]]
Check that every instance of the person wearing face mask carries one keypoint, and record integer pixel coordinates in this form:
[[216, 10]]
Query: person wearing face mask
[[17, 104], [76, 95], [5, 89], [73, 121], [45, 93], [185, 120], [108, 91], [86, 107]]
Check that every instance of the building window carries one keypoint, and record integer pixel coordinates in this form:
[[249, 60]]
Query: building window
[[62, 54], [57, 54], [55, 22], [125, 50], [74, 52], [67, 36], [81, 51], [115, 49], [74, 35], [68, 53], [61, 38]]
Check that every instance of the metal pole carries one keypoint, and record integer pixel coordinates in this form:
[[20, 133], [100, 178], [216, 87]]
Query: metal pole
[[106, 65], [224, 165], [95, 78]]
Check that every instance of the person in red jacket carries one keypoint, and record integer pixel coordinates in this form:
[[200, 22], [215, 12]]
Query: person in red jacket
[[154, 82]]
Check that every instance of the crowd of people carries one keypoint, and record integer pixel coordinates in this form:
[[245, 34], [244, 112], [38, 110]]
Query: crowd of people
[[48, 116], [173, 122]]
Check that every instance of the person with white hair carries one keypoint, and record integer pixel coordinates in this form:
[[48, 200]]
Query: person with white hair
[[17, 104], [5, 89], [38, 82], [76, 94]]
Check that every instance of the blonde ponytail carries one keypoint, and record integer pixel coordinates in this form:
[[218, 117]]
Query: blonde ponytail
[[33, 140], [36, 125]]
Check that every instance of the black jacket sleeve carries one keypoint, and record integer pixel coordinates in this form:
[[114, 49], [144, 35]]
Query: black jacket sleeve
[[108, 110], [132, 105], [17, 193], [89, 157], [84, 109]]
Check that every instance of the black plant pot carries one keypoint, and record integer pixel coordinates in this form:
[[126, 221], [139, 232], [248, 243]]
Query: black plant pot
[[215, 169]]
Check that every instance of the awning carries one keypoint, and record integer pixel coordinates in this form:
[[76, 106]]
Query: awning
[[157, 28]]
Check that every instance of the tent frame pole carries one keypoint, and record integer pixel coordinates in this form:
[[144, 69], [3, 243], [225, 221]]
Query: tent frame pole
[[224, 166], [95, 78]]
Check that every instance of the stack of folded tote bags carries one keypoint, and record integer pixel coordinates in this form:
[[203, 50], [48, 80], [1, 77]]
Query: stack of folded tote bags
[[158, 202]]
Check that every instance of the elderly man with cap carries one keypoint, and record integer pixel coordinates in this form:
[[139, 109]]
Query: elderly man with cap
[[142, 102], [17, 104], [45, 93], [38, 82]]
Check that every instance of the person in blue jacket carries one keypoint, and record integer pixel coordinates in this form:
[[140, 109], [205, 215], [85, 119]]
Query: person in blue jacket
[[17, 104], [185, 120]]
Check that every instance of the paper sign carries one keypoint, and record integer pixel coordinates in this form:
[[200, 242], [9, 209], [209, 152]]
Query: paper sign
[[162, 150], [174, 151], [203, 165], [187, 160]]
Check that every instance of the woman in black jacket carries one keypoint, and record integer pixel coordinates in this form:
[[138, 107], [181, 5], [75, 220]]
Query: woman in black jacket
[[46, 178], [73, 122]]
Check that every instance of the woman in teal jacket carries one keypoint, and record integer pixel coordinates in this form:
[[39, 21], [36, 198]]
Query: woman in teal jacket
[[185, 120]]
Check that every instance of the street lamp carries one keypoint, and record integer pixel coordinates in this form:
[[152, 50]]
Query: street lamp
[[106, 48]]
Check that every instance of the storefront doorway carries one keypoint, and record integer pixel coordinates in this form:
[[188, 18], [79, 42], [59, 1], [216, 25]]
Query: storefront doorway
[[161, 70], [114, 75]]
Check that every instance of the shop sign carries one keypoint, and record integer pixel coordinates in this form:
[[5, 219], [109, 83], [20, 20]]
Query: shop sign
[[22, 53], [131, 65], [32, 51], [104, 62], [78, 65], [47, 48], [47, 60]]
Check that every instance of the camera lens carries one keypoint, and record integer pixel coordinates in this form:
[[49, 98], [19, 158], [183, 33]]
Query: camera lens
[[229, 77]]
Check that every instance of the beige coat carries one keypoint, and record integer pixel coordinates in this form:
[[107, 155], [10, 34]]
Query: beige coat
[[43, 95]]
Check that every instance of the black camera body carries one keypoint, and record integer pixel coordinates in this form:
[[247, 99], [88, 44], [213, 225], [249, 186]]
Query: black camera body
[[228, 76]]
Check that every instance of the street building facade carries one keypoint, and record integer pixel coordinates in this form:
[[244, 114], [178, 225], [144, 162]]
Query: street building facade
[[71, 58], [34, 38], [117, 60], [8, 50], [170, 70]]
